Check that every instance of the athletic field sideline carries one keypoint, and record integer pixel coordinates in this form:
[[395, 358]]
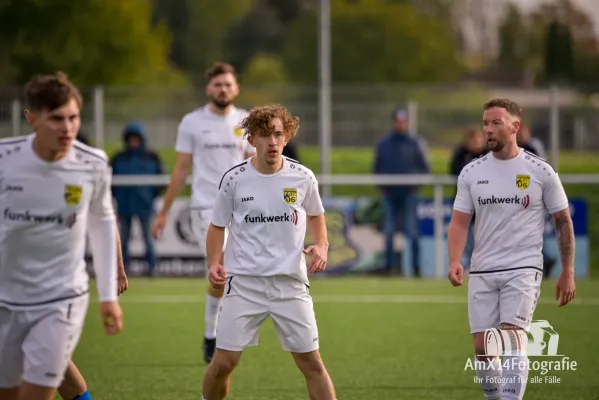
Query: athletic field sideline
[[380, 338]]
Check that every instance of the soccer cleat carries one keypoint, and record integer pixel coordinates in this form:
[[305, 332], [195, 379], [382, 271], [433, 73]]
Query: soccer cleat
[[209, 347]]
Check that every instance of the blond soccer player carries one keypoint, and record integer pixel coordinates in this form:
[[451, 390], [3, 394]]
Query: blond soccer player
[[269, 201]]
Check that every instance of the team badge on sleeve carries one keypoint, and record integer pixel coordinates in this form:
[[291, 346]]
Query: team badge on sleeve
[[238, 131], [290, 195], [72, 194], [522, 181]]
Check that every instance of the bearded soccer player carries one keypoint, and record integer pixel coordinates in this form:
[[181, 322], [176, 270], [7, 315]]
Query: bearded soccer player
[[53, 191], [209, 141], [268, 201], [510, 190]]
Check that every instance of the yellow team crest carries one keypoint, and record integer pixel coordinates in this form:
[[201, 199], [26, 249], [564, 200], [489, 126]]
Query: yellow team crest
[[72, 194], [238, 131], [522, 181], [290, 195]]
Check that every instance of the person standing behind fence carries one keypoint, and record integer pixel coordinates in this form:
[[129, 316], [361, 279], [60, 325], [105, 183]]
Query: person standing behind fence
[[400, 152], [136, 201], [471, 147]]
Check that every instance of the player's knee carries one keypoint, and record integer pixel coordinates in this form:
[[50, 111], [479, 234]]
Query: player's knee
[[310, 363], [224, 362], [479, 347]]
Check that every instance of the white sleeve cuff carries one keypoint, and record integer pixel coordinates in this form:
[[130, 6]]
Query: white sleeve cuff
[[102, 236]]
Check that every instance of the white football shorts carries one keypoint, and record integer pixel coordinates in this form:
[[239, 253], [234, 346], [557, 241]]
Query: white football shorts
[[503, 297], [249, 300], [37, 343], [200, 221]]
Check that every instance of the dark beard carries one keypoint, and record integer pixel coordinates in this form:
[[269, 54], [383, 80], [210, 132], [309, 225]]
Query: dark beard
[[498, 147], [221, 104]]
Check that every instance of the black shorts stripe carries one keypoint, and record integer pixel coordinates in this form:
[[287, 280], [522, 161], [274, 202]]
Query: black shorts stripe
[[89, 152], [291, 159], [230, 280], [504, 270], [221, 179], [43, 302]]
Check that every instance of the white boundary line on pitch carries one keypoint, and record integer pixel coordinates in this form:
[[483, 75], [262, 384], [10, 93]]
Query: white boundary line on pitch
[[382, 299]]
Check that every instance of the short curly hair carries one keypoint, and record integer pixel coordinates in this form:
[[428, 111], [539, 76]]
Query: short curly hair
[[257, 123]]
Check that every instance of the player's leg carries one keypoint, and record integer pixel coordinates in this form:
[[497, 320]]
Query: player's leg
[[292, 312], [518, 299], [218, 374], [200, 221], [244, 308], [483, 314], [125, 233], [49, 345], [13, 330], [73, 387], [146, 229]]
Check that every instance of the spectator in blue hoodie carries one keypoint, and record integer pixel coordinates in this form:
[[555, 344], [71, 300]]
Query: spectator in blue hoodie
[[136, 201], [400, 152]]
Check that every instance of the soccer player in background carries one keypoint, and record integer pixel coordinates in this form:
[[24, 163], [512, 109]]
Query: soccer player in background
[[268, 201], [53, 191], [210, 140], [510, 190]]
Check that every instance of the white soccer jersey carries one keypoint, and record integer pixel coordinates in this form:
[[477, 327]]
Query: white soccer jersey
[[510, 199], [45, 208], [267, 214], [216, 143]]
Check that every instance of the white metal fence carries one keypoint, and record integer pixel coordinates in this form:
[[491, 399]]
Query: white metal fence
[[437, 181]]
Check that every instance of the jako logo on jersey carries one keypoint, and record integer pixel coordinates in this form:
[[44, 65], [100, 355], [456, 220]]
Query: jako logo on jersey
[[262, 219], [482, 182], [26, 216], [244, 199], [523, 201]]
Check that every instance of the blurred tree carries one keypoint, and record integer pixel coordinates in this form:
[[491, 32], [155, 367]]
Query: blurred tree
[[562, 31], [559, 58], [262, 30], [209, 22], [513, 59], [175, 14], [264, 69], [94, 41], [374, 41]]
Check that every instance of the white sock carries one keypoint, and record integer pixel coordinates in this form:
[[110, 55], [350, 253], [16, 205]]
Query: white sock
[[489, 377], [515, 376], [211, 315]]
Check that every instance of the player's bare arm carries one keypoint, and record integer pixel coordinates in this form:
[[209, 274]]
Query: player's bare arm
[[317, 228], [177, 183], [214, 245], [456, 242], [565, 289]]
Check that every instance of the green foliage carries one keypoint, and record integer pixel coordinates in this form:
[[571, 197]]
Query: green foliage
[[94, 41], [374, 41], [264, 69]]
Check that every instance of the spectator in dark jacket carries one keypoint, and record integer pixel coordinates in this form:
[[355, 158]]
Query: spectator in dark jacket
[[136, 201], [471, 147], [400, 152]]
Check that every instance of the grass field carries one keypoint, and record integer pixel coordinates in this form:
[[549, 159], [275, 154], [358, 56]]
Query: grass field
[[380, 339]]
